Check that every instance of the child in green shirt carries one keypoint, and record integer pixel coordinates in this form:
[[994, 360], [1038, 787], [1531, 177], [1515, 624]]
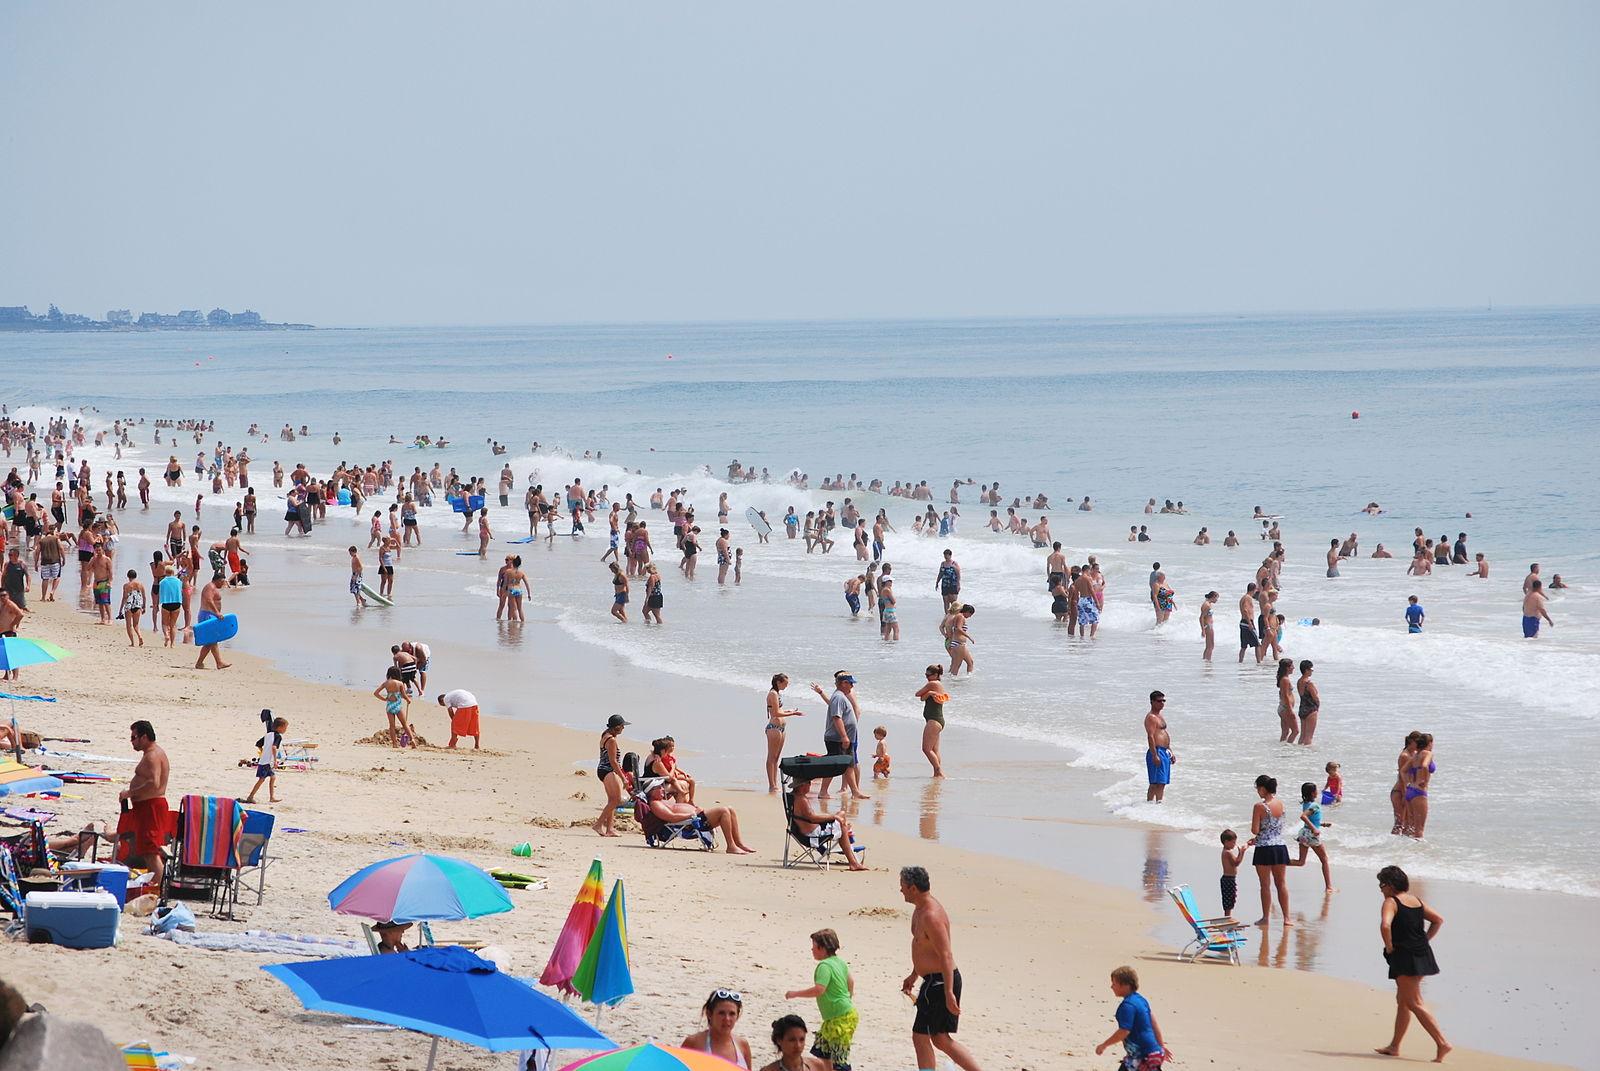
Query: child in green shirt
[[834, 989]]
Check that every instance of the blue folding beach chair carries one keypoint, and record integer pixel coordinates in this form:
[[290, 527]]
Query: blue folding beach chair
[[1216, 938]]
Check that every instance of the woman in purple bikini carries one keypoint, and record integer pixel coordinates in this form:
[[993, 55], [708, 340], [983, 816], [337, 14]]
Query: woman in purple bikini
[[1418, 775]]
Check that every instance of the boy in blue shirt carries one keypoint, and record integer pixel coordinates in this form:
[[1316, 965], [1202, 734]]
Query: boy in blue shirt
[[1137, 1028], [1414, 616]]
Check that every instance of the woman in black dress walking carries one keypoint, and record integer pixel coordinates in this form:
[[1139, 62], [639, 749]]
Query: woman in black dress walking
[[1408, 926]]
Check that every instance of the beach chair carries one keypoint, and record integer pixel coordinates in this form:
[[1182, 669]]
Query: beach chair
[[1214, 938], [205, 852], [254, 838], [659, 833], [817, 847], [424, 936], [297, 754]]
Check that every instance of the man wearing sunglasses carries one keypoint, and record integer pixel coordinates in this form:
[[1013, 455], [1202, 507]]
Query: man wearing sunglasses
[[1158, 756]]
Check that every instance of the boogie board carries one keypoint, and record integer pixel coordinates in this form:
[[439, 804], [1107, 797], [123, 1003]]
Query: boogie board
[[381, 600], [753, 515], [213, 629]]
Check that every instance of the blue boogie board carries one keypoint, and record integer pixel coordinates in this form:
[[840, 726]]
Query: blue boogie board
[[213, 629]]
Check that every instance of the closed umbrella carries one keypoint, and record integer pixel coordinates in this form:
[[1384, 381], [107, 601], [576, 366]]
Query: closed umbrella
[[415, 888], [446, 992], [582, 918]]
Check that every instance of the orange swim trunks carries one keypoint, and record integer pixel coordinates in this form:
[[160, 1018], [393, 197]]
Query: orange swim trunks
[[464, 721]]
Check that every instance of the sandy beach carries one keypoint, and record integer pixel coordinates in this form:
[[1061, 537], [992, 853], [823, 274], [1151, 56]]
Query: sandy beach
[[1034, 945]]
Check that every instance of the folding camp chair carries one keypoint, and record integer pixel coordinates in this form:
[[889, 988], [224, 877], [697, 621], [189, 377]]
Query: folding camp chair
[[819, 845], [205, 853], [1220, 938], [659, 833], [254, 838]]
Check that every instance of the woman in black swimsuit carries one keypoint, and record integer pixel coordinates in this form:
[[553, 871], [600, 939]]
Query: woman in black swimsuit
[[1409, 954], [609, 771]]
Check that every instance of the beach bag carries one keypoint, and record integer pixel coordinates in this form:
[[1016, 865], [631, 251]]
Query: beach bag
[[172, 917]]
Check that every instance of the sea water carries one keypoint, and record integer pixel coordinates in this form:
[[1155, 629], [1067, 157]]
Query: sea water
[[1487, 413]]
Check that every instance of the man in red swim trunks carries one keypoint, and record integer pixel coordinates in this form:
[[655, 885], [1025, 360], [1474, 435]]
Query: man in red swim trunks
[[146, 796]]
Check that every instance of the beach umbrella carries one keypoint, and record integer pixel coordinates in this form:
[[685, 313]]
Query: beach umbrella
[[447, 992], [582, 920], [17, 779], [650, 1057], [16, 652], [414, 888], [603, 976]]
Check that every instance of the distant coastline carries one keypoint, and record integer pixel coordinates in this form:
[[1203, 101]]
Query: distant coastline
[[19, 318]]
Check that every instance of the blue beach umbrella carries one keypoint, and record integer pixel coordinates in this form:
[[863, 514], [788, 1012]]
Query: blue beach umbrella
[[446, 992]]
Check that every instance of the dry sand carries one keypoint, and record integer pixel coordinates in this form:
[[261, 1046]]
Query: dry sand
[[1034, 945]]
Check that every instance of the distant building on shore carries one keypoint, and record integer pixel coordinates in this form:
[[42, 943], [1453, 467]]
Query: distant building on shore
[[20, 318]]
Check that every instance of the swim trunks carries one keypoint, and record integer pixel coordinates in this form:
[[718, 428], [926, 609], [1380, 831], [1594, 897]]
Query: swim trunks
[[151, 825], [854, 602], [1088, 612], [1530, 626], [1230, 893], [1247, 635], [933, 1014], [1158, 765], [464, 721], [102, 593]]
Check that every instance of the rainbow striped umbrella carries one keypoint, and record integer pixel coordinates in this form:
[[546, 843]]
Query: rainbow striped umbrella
[[414, 888], [651, 1057], [582, 920], [16, 652]]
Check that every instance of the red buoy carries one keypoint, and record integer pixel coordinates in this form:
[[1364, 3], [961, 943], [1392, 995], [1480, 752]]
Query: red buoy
[[1355, 414]]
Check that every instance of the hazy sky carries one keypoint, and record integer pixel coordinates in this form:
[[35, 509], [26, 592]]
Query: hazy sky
[[402, 162]]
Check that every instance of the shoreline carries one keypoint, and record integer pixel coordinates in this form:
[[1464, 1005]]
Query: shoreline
[[350, 803]]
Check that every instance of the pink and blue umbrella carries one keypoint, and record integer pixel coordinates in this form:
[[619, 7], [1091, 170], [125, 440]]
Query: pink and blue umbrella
[[418, 888], [17, 651]]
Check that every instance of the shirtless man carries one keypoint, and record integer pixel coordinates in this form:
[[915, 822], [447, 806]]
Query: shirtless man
[[1247, 622], [1533, 608], [1482, 570], [933, 961], [1231, 540], [1158, 755], [1333, 558], [1081, 594], [1055, 567], [1202, 538], [211, 600], [1531, 579], [1207, 629], [146, 796], [1350, 547], [100, 576], [1381, 553], [10, 617]]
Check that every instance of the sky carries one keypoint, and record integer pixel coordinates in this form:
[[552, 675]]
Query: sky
[[405, 162]]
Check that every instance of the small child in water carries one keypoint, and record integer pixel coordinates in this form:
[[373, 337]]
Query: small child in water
[[1231, 858], [1333, 791], [1310, 835], [738, 564], [880, 757]]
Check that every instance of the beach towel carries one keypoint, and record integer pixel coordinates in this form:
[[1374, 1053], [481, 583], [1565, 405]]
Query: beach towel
[[212, 826], [268, 943]]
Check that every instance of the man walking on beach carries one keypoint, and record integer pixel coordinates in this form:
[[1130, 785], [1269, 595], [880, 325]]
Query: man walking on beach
[[211, 602], [1158, 756], [933, 961], [145, 800]]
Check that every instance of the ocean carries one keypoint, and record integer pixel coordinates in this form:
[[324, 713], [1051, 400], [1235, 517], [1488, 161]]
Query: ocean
[[1480, 412]]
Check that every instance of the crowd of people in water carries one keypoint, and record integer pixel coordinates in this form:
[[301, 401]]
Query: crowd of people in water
[[188, 569]]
